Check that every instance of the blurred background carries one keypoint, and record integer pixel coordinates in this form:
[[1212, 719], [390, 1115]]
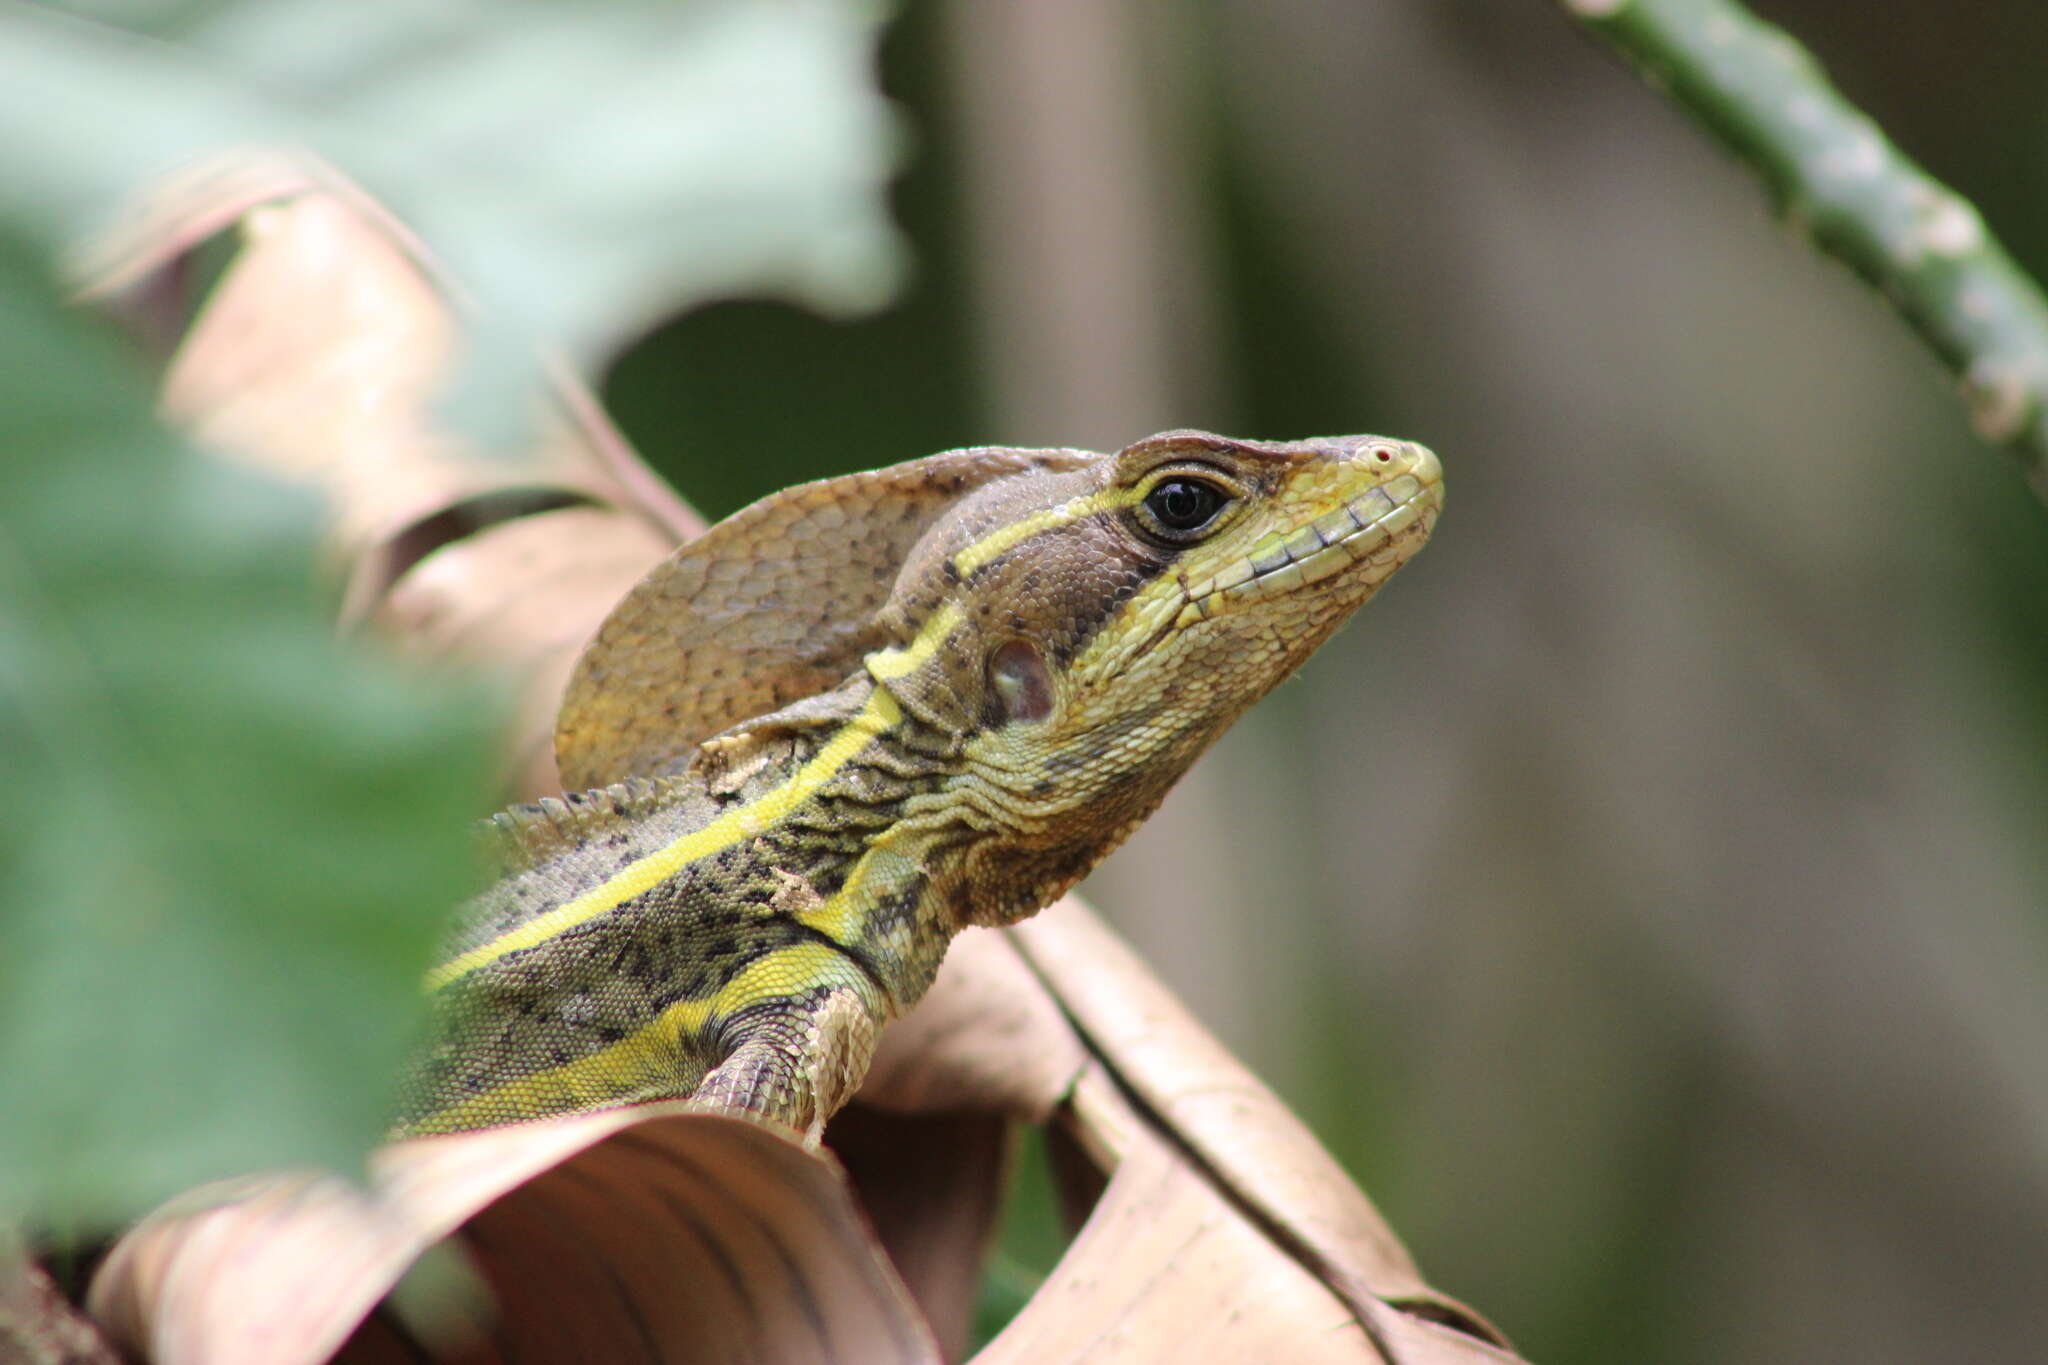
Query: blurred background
[[1644, 898]]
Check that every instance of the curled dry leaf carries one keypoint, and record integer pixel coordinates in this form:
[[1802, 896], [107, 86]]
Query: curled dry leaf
[[1220, 1230], [323, 352], [1169, 1110], [37, 1325], [652, 1234], [520, 597]]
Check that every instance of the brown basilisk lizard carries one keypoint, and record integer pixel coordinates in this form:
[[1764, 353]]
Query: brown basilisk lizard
[[863, 714]]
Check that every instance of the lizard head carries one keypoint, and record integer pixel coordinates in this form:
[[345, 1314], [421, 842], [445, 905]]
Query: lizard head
[[1091, 630]]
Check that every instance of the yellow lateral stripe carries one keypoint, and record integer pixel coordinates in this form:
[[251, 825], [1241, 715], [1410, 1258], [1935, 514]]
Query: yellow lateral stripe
[[607, 1076], [886, 664], [788, 971], [843, 915], [646, 1059], [1072, 510], [742, 822]]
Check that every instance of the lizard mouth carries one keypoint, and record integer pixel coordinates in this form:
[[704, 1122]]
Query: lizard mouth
[[1374, 532]]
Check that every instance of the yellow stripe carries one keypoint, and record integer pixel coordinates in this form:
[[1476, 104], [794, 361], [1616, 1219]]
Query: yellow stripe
[[644, 1063], [1136, 620], [886, 664], [843, 917], [1072, 510], [610, 1076], [740, 823]]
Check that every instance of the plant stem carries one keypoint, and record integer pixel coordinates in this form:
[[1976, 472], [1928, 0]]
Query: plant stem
[[1834, 175]]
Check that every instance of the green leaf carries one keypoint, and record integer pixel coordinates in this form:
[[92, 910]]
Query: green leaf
[[584, 170], [233, 839]]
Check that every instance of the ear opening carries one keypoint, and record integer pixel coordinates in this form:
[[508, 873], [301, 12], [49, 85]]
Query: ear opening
[[1018, 675]]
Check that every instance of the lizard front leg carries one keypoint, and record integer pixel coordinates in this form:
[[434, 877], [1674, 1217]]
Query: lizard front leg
[[795, 1059]]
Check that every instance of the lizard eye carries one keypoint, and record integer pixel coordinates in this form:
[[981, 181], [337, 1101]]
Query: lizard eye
[[1179, 506]]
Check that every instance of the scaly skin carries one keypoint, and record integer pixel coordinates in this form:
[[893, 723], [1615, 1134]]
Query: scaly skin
[[942, 692]]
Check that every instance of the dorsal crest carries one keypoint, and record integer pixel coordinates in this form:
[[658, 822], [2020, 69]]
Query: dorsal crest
[[776, 603], [526, 835]]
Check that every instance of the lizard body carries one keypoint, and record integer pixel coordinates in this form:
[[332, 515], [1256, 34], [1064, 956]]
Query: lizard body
[[862, 715]]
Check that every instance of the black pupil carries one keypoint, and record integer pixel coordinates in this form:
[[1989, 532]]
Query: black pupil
[[1183, 504]]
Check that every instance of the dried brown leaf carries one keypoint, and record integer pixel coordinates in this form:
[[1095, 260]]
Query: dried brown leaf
[[932, 1185], [1229, 1122], [37, 1325], [173, 217], [520, 598], [651, 1234], [1165, 1268], [323, 350]]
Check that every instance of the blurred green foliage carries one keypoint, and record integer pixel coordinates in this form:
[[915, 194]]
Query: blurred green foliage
[[585, 169], [741, 398], [234, 834], [235, 837]]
